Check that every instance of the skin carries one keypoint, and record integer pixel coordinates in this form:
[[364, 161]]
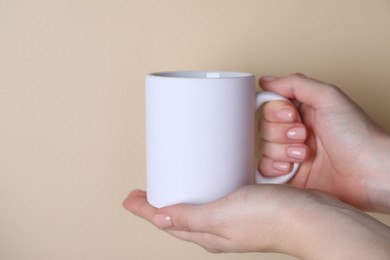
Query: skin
[[272, 218], [344, 166], [348, 150]]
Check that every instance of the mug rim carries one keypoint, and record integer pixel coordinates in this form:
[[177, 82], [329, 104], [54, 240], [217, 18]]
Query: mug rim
[[201, 74]]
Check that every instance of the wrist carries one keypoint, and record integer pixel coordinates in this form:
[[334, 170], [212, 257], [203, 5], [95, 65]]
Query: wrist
[[328, 229], [378, 179]]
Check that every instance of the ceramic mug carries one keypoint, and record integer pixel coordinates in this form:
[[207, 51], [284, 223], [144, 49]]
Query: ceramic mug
[[200, 135]]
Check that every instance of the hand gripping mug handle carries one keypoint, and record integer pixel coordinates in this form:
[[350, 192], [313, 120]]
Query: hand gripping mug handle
[[261, 98]]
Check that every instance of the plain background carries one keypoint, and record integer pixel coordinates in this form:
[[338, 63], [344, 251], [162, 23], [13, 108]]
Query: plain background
[[72, 103]]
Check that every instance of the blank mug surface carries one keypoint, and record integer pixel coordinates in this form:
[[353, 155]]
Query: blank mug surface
[[199, 135]]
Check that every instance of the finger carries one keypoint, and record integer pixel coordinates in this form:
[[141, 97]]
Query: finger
[[279, 111], [282, 132], [271, 168], [306, 90], [191, 218], [137, 204], [285, 152]]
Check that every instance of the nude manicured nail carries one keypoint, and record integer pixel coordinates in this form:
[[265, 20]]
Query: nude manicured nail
[[281, 166], [296, 152], [163, 221], [296, 133], [285, 115]]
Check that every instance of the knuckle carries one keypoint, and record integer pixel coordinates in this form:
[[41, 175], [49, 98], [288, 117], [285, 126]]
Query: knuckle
[[181, 222], [332, 92], [265, 130], [332, 89]]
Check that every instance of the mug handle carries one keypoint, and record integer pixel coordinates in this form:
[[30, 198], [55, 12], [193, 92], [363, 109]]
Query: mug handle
[[261, 98]]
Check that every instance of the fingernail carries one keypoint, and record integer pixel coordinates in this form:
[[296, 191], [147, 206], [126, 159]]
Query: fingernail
[[296, 133], [296, 152], [269, 78], [163, 221], [285, 115], [281, 166]]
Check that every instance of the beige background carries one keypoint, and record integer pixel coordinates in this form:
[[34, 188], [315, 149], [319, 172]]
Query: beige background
[[72, 103]]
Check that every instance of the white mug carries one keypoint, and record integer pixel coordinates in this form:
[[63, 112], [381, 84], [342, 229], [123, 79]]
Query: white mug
[[200, 135]]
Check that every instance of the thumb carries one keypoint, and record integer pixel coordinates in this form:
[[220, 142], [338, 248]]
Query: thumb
[[185, 217], [304, 89]]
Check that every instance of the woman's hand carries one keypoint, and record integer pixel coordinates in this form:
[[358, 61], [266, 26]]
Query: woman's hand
[[272, 218], [349, 152], [345, 154]]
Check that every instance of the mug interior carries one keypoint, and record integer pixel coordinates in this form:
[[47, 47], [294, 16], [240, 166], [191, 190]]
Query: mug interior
[[202, 74]]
